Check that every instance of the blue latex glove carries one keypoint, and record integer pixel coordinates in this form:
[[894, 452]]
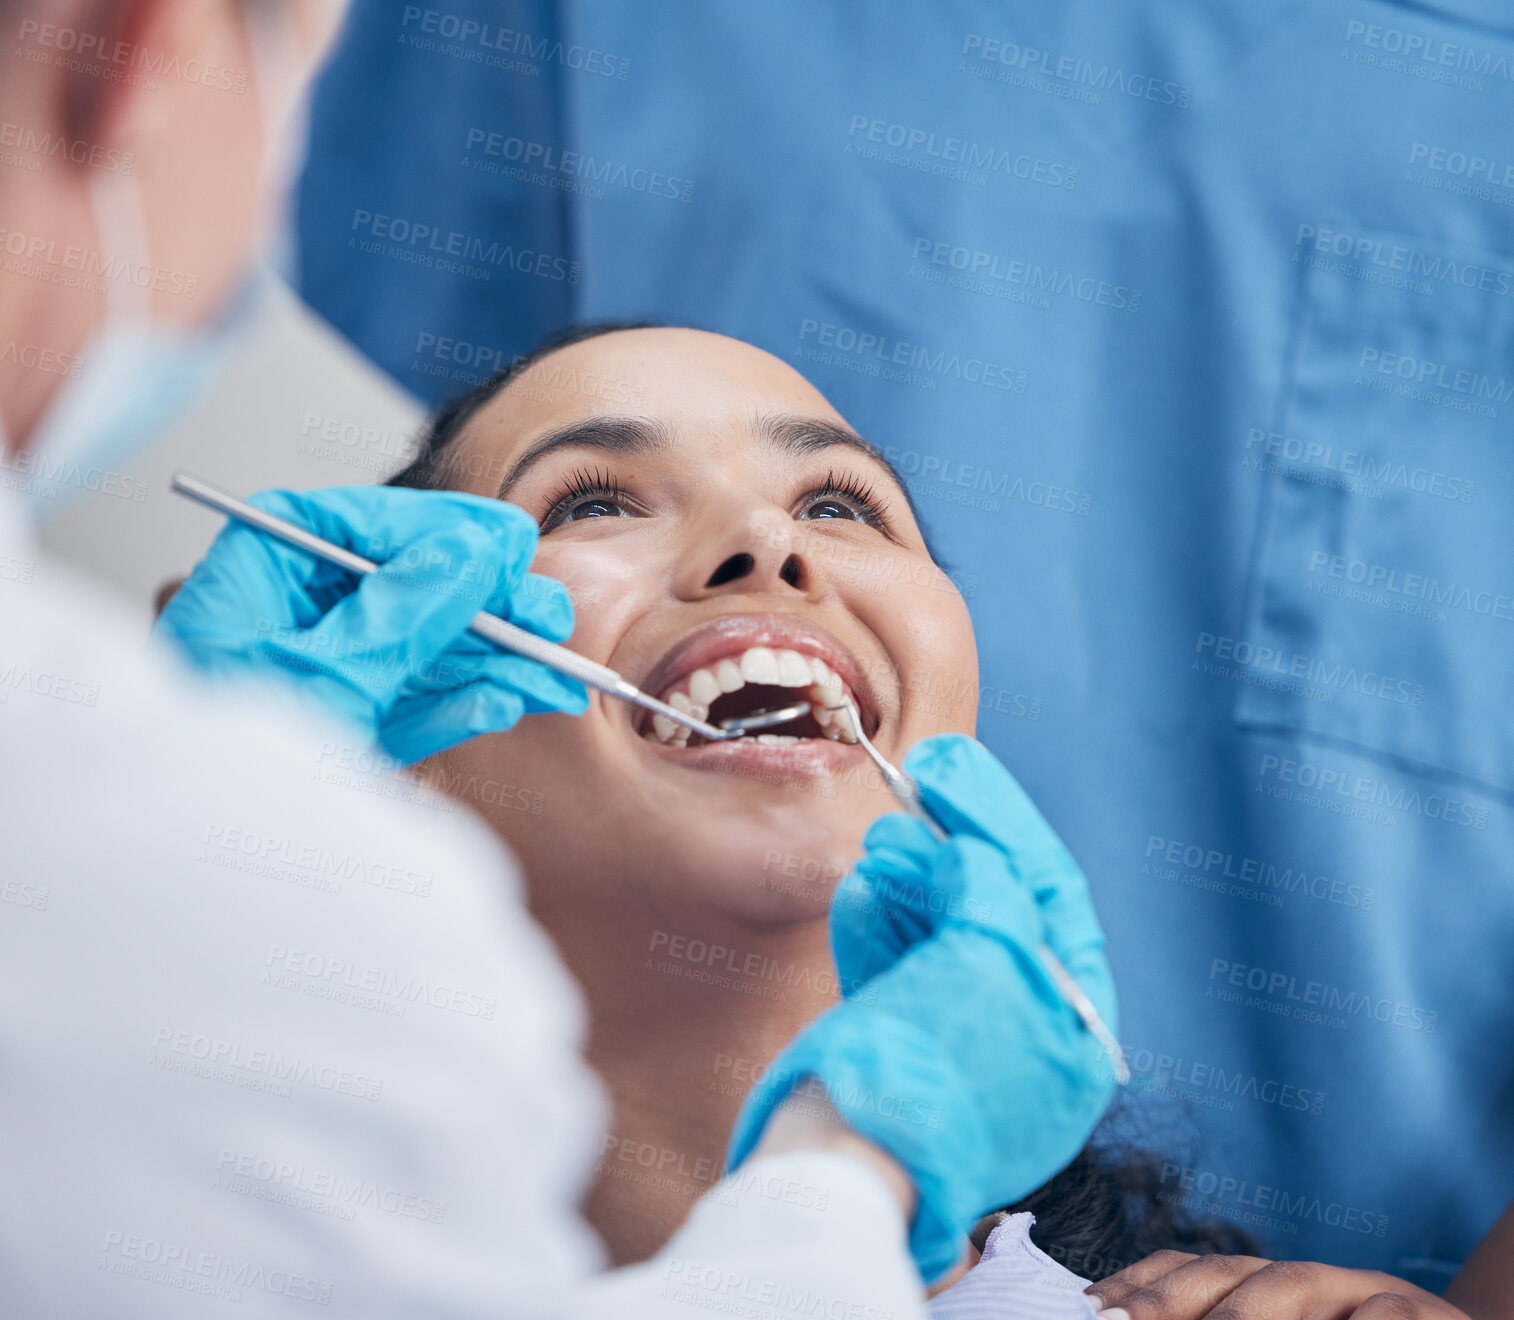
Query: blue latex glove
[[389, 651], [954, 1050]]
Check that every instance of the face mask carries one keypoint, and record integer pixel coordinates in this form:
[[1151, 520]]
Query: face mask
[[139, 376]]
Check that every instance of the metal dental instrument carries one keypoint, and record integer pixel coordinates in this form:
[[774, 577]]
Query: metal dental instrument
[[765, 719], [488, 626], [908, 794]]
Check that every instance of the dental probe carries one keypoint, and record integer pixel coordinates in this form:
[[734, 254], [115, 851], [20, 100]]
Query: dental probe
[[908, 793], [485, 625]]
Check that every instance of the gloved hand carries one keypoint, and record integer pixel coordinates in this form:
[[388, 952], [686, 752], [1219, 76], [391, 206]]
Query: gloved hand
[[390, 651], [953, 1049]]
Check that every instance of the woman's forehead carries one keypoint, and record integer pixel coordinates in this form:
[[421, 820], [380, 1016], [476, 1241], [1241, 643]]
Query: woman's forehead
[[692, 382]]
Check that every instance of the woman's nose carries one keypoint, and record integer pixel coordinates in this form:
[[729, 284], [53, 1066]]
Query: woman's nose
[[743, 565], [756, 554]]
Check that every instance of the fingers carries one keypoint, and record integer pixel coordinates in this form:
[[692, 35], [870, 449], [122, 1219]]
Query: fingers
[[1173, 1285], [443, 556], [1113, 1290], [378, 522], [487, 694], [899, 845], [870, 921], [475, 552], [869, 932], [1398, 1306], [897, 894], [539, 688], [973, 889], [864, 938], [540, 605], [418, 729], [399, 623], [970, 792], [407, 532], [907, 886], [1306, 1290]]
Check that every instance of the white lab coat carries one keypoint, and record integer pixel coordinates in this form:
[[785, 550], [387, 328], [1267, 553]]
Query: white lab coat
[[272, 1028]]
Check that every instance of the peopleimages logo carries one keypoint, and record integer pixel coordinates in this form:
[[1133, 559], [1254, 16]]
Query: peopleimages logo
[[1325, 781], [1378, 259], [428, 244], [1440, 375], [356, 1193], [113, 60], [1077, 71], [182, 1266], [876, 349], [29, 142], [1161, 1073], [1463, 164], [1299, 1207], [485, 43], [1364, 680], [1285, 987], [962, 154], [1413, 587], [974, 264], [1221, 864], [1355, 463], [1422, 48]]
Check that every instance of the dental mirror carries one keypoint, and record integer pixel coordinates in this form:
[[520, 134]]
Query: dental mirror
[[765, 719]]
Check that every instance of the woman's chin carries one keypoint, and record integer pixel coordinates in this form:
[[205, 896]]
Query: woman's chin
[[767, 886]]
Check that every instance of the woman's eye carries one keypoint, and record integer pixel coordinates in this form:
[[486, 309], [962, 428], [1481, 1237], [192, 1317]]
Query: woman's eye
[[587, 495], [843, 496], [595, 508], [834, 508]]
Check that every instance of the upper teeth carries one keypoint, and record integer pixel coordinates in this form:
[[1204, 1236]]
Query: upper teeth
[[757, 664]]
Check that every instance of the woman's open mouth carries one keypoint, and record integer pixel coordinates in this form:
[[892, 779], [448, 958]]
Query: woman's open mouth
[[758, 679], [735, 669]]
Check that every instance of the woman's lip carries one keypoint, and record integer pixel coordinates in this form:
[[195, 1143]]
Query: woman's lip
[[733, 634], [808, 758]]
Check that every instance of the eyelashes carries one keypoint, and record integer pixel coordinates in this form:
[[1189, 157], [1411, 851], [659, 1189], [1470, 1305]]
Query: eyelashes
[[860, 494], [585, 486], [581, 485]]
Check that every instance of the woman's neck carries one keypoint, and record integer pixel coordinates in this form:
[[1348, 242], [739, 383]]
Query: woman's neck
[[685, 1012]]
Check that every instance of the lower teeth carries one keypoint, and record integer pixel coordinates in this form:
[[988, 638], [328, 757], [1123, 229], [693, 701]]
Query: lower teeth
[[834, 720]]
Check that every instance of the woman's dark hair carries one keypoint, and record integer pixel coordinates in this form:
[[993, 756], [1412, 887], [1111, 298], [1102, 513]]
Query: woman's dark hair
[[1107, 1209], [1116, 1203]]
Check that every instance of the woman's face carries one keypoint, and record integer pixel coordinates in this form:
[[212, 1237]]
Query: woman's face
[[698, 498]]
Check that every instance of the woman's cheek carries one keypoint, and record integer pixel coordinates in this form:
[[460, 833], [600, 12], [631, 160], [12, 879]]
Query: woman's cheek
[[938, 652], [603, 584]]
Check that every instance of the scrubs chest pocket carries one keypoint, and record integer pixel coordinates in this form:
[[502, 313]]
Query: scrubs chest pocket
[[1380, 609]]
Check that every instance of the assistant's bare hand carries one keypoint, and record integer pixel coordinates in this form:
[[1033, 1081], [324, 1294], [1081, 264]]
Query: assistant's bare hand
[[1174, 1285]]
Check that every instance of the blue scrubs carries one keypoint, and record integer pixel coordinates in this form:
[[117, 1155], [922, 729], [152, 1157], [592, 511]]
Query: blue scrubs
[[1192, 328]]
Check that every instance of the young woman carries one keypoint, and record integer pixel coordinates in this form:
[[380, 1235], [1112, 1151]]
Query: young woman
[[730, 544], [714, 518]]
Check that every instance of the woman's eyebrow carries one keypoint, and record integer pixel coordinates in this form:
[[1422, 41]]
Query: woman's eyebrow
[[807, 435], [787, 433], [613, 435]]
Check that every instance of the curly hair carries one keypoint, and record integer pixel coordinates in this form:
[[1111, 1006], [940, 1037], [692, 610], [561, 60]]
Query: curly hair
[[1111, 1207]]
